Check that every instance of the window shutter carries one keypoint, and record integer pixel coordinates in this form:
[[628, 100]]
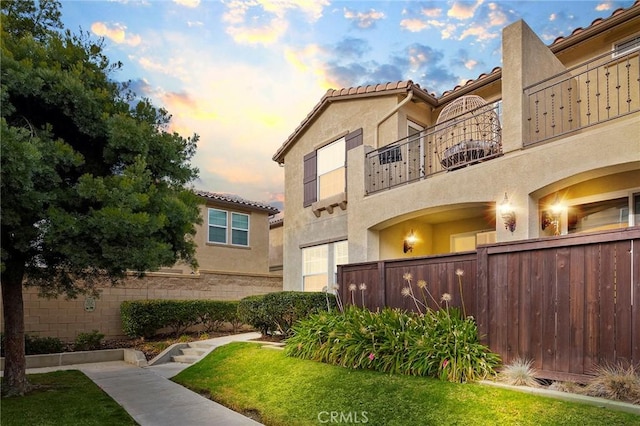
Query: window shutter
[[353, 139], [310, 184]]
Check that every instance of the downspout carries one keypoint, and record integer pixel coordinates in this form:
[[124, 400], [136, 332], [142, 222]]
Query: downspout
[[389, 114]]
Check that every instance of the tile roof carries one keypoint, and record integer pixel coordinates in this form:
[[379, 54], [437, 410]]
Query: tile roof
[[599, 21], [234, 199], [407, 86]]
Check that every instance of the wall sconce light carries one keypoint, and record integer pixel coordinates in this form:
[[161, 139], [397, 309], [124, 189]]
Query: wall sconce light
[[409, 242], [508, 214], [551, 217]]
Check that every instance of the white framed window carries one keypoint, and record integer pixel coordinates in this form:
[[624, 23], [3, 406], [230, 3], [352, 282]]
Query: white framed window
[[626, 46], [217, 226], [239, 229], [331, 170], [320, 265], [228, 227]]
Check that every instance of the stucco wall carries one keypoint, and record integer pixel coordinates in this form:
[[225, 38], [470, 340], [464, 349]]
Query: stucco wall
[[65, 319], [375, 223], [229, 258]]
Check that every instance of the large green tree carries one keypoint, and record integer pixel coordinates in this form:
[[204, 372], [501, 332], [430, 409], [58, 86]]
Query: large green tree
[[93, 182]]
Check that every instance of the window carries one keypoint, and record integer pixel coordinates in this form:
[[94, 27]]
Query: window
[[605, 214], [217, 226], [624, 47], [239, 229], [324, 171], [221, 233], [318, 261], [331, 173]]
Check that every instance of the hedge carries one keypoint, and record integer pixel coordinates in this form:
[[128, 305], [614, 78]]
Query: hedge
[[279, 311], [143, 318]]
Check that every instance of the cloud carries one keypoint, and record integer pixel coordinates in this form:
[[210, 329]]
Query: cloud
[[185, 104], [462, 60], [352, 47], [116, 33], [188, 3], [363, 20], [266, 34], [497, 18], [312, 9], [464, 11], [480, 32], [604, 6], [266, 21], [431, 12], [191, 24], [448, 31], [413, 25]]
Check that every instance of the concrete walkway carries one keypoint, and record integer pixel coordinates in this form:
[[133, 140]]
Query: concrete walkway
[[153, 400]]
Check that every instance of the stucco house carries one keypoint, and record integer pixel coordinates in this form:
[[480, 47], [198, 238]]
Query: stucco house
[[233, 236], [548, 144]]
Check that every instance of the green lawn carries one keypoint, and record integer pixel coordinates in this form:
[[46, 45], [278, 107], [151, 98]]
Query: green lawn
[[290, 391], [63, 398]]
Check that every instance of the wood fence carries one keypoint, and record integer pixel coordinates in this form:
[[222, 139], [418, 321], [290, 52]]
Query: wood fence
[[568, 303]]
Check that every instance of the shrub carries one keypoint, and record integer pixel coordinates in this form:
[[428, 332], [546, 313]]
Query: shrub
[[141, 318], [519, 372], [214, 314], [251, 310], [285, 308], [144, 318], [280, 310], [615, 382], [179, 315], [437, 344], [34, 345], [88, 341]]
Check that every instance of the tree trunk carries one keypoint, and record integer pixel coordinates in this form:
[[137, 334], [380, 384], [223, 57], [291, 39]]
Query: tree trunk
[[15, 378]]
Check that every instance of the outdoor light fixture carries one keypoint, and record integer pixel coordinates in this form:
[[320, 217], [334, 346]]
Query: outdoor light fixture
[[508, 214], [552, 216], [409, 241]]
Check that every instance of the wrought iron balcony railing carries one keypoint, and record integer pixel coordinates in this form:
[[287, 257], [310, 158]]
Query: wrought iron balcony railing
[[605, 88], [469, 138]]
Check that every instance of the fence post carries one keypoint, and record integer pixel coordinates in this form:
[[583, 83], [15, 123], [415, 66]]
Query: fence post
[[482, 296], [382, 282]]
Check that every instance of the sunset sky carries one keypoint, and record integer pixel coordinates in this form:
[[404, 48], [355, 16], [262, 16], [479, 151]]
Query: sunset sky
[[244, 74]]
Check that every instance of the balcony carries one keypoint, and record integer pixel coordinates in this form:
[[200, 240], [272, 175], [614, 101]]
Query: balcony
[[594, 92], [472, 136]]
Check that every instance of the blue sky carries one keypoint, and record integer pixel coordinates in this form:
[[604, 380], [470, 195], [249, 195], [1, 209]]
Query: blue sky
[[244, 74]]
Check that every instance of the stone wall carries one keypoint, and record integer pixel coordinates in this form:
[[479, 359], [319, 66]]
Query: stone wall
[[66, 318]]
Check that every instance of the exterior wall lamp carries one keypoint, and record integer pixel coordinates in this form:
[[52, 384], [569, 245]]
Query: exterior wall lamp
[[409, 242], [551, 217], [508, 214]]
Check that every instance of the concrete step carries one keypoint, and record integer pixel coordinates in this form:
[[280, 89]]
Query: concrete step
[[193, 351], [204, 345], [185, 359]]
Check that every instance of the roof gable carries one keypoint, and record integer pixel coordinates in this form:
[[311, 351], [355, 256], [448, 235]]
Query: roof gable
[[234, 200]]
